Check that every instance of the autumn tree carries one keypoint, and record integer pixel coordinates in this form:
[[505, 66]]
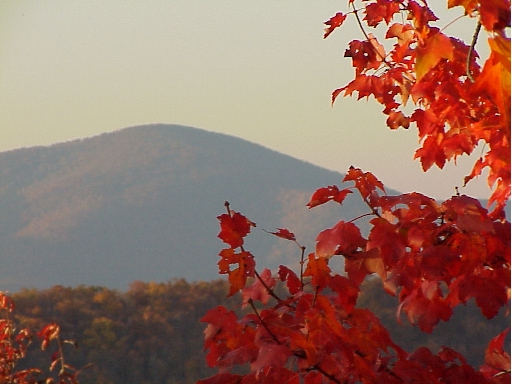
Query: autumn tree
[[432, 256]]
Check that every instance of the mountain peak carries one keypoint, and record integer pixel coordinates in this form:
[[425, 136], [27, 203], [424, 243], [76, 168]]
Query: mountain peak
[[141, 204]]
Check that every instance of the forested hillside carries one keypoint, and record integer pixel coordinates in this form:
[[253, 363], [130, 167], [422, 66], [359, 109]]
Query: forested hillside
[[151, 334], [140, 204]]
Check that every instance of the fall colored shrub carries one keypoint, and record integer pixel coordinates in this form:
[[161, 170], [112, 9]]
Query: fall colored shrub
[[14, 344]]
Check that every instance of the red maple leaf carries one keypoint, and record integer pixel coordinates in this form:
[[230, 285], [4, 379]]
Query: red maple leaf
[[292, 281], [271, 355], [365, 55], [342, 239], [325, 194], [365, 182], [48, 333], [495, 14], [425, 306], [238, 276], [379, 11], [489, 288], [283, 233], [334, 22], [233, 228], [319, 271]]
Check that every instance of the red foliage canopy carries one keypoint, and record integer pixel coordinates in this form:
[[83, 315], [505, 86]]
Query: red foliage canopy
[[432, 256]]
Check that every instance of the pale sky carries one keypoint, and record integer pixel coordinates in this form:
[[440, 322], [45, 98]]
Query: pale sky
[[258, 70]]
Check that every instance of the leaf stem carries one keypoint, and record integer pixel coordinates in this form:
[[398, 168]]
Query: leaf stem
[[226, 204], [303, 252], [263, 323], [374, 211], [361, 216]]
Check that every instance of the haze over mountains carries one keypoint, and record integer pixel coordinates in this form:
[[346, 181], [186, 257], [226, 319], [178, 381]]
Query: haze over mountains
[[141, 204]]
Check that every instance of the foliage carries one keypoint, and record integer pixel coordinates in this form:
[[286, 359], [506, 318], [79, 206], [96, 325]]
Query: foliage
[[432, 256], [14, 344]]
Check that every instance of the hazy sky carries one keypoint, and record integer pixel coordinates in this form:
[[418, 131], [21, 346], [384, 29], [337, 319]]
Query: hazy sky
[[259, 70]]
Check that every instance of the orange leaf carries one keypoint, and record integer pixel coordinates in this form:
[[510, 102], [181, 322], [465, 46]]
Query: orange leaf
[[237, 277], [397, 119], [469, 5], [374, 264], [495, 77], [403, 32], [437, 46], [319, 271]]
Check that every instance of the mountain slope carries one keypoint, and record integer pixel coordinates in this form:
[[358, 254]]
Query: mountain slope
[[141, 204]]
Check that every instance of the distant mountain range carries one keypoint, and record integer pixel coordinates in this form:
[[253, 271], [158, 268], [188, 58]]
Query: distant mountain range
[[141, 204]]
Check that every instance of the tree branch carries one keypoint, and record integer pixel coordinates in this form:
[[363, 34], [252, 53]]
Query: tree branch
[[472, 50]]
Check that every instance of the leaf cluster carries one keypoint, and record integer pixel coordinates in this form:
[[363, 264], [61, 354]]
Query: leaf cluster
[[432, 256], [458, 104]]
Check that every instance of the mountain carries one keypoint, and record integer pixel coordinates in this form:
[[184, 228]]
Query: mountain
[[141, 204]]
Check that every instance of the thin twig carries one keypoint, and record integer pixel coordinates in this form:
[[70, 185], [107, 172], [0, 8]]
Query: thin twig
[[328, 375], [452, 22], [374, 211], [263, 323], [361, 216], [226, 204], [303, 251], [472, 50]]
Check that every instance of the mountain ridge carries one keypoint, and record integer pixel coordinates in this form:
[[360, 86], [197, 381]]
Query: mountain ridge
[[140, 204]]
